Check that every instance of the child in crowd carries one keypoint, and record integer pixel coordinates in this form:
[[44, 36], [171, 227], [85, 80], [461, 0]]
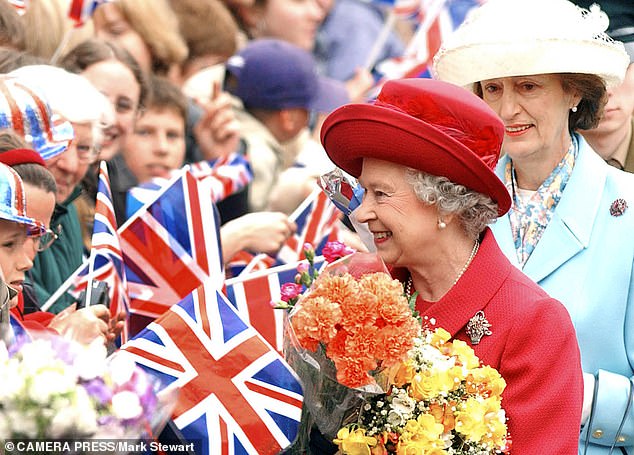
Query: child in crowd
[[156, 147]]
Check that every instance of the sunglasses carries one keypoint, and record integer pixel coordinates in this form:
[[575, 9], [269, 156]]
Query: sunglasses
[[44, 237]]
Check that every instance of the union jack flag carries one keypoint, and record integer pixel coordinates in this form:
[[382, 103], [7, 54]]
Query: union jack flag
[[436, 19], [171, 246], [225, 176], [105, 262], [19, 332], [81, 11], [237, 395], [252, 294], [316, 220]]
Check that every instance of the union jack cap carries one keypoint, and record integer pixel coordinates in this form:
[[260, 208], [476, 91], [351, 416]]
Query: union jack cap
[[26, 111], [13, 201]]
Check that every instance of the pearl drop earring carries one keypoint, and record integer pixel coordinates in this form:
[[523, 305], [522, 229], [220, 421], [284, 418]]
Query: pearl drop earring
[[441, 224], [573, 108]]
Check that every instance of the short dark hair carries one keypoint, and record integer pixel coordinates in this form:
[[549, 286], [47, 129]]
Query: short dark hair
[[594, 97], [165, 95]]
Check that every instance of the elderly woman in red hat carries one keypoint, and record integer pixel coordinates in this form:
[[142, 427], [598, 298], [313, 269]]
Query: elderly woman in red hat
[[425, 152]]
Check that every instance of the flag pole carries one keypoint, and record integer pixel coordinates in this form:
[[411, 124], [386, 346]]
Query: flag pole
[[292, 217], [62, 46], [380, 40], [63, 288]]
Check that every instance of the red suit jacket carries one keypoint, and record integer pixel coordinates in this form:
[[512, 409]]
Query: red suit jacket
[[532, 344]]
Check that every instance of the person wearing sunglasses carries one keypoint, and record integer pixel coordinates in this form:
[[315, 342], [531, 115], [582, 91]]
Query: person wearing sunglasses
[[82, 325], [16, 229]]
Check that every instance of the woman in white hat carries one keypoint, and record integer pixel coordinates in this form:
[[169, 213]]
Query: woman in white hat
[[543, 66]]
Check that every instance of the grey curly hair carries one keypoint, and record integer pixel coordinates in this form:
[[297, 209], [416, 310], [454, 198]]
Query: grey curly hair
[[473, 210]]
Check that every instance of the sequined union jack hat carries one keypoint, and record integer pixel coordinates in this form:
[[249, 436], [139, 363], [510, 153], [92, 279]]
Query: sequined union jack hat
[[13, 201], [24, 110]]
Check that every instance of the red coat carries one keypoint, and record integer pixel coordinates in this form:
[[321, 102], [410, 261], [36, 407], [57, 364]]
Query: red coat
[[532, 344]]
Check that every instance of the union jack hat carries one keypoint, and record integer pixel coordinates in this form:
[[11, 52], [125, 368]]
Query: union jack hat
[[13, 201], [26, 111]]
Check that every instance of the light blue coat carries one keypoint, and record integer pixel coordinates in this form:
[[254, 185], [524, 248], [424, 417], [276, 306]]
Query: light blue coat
[[585, 259]]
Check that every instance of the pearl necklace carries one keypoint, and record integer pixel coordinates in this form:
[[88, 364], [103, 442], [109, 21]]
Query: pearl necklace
[[476, 245]]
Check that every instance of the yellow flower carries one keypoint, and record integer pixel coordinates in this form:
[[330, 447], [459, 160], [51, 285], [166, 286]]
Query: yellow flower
[[353, 441], [430, 384], [490, 379], [479, 420], [465, 354], [496, 435], [439, 337], [423, 432]]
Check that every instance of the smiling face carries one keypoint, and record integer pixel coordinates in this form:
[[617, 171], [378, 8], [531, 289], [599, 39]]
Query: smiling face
[[401, 223], [157, 145], [117, 82], [69, 167], [14, 259], [535, 111]]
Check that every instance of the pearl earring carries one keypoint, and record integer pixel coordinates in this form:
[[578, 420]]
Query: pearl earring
[[441, 224], [573, 108]]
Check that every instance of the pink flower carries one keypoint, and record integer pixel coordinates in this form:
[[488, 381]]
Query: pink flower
[[289, 291], [302, 267], [335, 250]]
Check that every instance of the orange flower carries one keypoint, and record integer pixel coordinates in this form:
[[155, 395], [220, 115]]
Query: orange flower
[[316, 321], [336, 288], [360, 311], [353, 371], [444, 414], [394, 342], [364, 343]]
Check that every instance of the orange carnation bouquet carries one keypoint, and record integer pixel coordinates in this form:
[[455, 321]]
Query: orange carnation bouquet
[[347, 330]]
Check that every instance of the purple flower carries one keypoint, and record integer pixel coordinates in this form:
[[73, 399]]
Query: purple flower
[[289, 291], [98, 390], [335, 250]]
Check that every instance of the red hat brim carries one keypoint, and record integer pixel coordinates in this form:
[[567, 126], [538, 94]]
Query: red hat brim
[[357, 131]]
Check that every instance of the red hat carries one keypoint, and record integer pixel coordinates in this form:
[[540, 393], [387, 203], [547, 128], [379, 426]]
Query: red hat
[[433, 126], [21, 156]]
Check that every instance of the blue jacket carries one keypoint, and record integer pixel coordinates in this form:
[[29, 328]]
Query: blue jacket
[[585, 259]]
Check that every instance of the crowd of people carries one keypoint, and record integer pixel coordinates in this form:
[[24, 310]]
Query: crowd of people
[[503, 186]]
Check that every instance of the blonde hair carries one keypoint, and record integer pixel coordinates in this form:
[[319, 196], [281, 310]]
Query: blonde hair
[[158, 26], [49, 30]]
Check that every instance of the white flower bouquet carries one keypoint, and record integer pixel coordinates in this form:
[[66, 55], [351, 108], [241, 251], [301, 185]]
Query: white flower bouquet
[[55, 389]]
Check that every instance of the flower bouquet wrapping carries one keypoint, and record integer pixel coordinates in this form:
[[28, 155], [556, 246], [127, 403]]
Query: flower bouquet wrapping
[[352, 323], [56, 389], [441, 400]]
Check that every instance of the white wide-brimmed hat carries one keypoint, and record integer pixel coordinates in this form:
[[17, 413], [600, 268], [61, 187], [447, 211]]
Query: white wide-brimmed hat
[[505, 38]]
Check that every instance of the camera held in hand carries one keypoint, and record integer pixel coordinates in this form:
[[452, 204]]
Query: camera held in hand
[[98, 295]]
